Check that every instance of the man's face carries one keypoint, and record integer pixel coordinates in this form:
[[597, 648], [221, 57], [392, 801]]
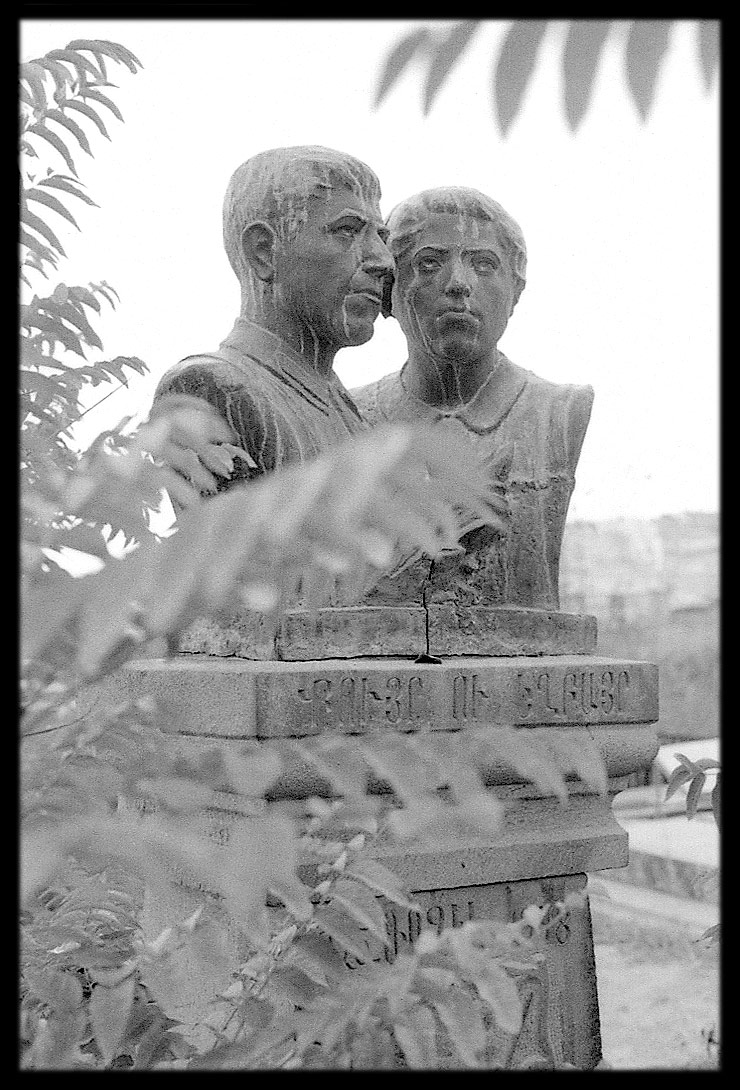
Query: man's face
[[330, 276], [454, 290]]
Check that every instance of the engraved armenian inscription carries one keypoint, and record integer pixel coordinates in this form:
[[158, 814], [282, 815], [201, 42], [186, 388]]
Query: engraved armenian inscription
[[410, 696]]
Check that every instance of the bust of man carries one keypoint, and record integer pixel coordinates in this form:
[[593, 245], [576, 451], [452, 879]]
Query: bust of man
[[304, 235], [460, 270]]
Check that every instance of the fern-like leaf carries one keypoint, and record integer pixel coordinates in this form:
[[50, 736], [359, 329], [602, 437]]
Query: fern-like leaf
[[77, 131], [71, 56], [33, 74], [411, 45], [88, 112], [111, 49], [33, 221], [57, 181], [446, 54], [98, 96], [40, 130], [34, 194]]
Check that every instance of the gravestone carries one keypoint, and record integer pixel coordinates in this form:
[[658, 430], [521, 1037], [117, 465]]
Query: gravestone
[[543, 851], [472, 639]]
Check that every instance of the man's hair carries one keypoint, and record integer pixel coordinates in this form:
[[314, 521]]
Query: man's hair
[[411, 216], [276, 185]]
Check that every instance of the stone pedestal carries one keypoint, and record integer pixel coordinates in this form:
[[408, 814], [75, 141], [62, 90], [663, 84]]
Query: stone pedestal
[[544, 849]]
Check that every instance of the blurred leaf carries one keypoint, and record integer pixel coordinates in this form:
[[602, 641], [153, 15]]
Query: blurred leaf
[[445, 55], [109, 1012], [708, 49], [33, 74], [678, 778], [500, 992], [298, 987], [463, 1021], [417, 1037], [483, 812], [62, 76], [379, 879], [716, 802], [68, 186], [343, 930], [711, 935], [398, 765], [88, 112], [294, 895], [98, 96], [79, 133], [111, 49], [515, 66], [707, 763], [583, 48], [316, 954], [32, 220], [647, 43], [414, 43], [356, 900], [253, 768], [525, 753], [260, 851], [82, 295], [692, 797], [40, 129], [578, 752], [72, 57]]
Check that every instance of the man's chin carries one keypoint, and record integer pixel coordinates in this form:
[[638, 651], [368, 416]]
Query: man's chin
[[356, 333], [458, 344]]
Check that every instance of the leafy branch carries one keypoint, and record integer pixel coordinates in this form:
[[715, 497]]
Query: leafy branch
[[645, 45]]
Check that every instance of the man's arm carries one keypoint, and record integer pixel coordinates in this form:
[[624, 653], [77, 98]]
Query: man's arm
[[201, 446]]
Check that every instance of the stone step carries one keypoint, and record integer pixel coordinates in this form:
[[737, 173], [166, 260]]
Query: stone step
[[673, 856]]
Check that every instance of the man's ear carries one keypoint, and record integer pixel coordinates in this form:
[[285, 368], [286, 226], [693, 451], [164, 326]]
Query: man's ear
[[258, 243], [385, 306]]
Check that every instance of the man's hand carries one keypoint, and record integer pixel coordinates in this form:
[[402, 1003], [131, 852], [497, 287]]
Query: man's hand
[[197, 445]]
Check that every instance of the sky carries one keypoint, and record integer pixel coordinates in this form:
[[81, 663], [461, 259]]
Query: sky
[[621, 219]]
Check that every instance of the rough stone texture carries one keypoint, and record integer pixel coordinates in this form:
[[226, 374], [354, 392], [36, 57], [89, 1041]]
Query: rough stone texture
[[243, 699], [453, 311], [390, 631], [508, 630], [561, 1020], [305, 294], [345, 671], [299, 635]]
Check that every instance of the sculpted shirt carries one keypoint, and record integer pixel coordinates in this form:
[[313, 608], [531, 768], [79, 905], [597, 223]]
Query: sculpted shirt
[[280, 409], [543, 424]]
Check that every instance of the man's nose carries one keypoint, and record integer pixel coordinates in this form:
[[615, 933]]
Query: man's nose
[[459, 282], [377, 259]]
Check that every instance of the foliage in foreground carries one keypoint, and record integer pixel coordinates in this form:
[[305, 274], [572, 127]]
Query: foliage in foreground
[[150, 939], [646, 42]]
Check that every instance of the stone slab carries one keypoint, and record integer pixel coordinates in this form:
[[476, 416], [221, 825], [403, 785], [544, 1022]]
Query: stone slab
[[561, 1012], [242, 699], [508, 631], [332, 696], [390, 631]]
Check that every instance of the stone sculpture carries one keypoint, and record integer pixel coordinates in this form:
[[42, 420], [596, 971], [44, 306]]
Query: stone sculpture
[[304, 235], [460, 270], [311, 256]]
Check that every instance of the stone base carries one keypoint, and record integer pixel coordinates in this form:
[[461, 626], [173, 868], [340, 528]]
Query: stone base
[[389, 631], [561, 1008], [219, 698]]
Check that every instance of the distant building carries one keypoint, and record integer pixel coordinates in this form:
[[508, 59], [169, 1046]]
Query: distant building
[[627, 570]]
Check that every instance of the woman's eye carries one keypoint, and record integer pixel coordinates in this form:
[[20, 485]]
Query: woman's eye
[[486, 264], [428, 264], [347, 230]]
